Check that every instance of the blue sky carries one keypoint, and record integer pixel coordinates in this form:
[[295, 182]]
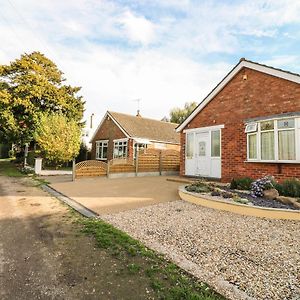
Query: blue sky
[[164, 52]]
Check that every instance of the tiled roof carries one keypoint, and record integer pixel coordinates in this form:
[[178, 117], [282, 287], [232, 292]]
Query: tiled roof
[[140, 127]]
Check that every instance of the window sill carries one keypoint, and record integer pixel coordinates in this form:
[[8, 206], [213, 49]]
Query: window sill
[[273, 161], [101, 158]]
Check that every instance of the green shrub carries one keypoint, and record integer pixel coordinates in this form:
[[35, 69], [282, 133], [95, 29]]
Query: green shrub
[[11, 154], [31, 157], [243, 183], [198, 187], [289, 188]]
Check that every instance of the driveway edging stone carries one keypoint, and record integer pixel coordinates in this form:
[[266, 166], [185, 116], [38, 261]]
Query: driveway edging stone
[[70, 202]]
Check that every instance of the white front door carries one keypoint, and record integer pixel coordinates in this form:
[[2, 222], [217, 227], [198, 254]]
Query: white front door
[[202, 154]]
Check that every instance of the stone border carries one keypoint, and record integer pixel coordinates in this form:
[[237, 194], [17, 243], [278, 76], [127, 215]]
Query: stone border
[[71, 202], [238, 208]]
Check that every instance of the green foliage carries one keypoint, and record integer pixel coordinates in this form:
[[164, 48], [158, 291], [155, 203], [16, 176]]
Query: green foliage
[[30, 86], [58, 137], [289, 188], [8, 168], [83, 154], [4, 150], [243, 183], [11, 154], [198, 187], [178, 115]]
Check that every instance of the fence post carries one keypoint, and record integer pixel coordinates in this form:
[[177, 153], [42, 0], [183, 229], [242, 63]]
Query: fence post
[[38, 165], [73, 170], [160, 162], [107, 171], [137, 162]]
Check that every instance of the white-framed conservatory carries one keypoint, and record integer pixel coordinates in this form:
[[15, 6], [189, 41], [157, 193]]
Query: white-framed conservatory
[[203, 151]]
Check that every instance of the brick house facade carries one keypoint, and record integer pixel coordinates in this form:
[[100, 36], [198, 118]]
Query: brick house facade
[[127, 133], [255, 95]]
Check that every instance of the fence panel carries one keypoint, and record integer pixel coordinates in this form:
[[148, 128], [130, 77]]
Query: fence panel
[[148, 160], [170, 160], [90, 168], [121, 166]]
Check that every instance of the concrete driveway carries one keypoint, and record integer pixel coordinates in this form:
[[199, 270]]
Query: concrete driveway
[[103, 195]]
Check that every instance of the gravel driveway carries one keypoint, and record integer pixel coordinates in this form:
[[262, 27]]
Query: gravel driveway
[[242, 257]]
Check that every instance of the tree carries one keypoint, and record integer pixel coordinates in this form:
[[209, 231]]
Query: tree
[[58, 137], [178, 115], [29, 87]]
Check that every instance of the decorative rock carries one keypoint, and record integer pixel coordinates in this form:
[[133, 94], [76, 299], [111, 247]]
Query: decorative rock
[[296, 204], [227, 195], [215, 193], [271, 194], [286, 200]]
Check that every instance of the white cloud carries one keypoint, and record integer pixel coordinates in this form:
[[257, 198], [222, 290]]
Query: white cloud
[[137, 28], [118, 52]]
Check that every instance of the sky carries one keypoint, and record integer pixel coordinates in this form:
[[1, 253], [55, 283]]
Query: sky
[[163, 52]]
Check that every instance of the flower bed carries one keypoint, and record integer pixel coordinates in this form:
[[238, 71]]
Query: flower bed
[[256, 198]]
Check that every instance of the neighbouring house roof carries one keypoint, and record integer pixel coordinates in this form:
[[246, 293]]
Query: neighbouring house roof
[[144, 128], [243, 63]]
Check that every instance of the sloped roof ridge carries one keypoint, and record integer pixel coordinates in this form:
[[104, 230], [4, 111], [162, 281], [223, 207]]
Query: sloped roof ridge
[[242, 63], [128, 115], [267, 66]]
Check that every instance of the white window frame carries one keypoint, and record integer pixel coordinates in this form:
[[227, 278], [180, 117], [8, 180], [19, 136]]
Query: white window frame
[[100, 144], [276, 146], [123, 143], [136, 147], [210, 140]]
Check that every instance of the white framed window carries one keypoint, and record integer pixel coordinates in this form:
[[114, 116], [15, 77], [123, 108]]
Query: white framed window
[[251, 127], [274, 141], [189, 150], [120, 148], [138, 147], [215, 143], [101, 149]]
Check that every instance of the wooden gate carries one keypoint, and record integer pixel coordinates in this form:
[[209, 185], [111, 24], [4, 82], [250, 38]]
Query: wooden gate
[[90, 168]]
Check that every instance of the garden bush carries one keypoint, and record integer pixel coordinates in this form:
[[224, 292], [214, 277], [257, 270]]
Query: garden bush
[[243, 183], [289, 188]]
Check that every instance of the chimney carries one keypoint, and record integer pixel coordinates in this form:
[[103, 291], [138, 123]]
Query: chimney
[[138, 114], [91, 124]]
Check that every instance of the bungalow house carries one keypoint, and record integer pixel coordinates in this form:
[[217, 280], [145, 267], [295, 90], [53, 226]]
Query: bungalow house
[[120, 136], [249, 125]]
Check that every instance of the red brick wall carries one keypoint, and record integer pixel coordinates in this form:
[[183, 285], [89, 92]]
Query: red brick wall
[[259, 95], [108, 131]]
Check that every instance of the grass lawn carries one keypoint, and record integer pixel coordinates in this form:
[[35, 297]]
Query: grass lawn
[[166, 279], [8, 168]]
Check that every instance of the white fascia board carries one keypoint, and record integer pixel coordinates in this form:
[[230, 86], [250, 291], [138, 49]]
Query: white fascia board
[[107, 114], [141, 140], [201, 129], [229, 76], [121, 140], [156, 141]]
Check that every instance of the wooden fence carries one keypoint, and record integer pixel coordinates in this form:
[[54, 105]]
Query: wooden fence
[[148, 161], [90, 168]]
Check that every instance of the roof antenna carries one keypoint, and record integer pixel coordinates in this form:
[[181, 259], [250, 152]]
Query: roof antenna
[[138, 106]]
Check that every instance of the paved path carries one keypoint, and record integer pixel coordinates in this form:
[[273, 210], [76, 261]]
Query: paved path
[[104, 195]]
